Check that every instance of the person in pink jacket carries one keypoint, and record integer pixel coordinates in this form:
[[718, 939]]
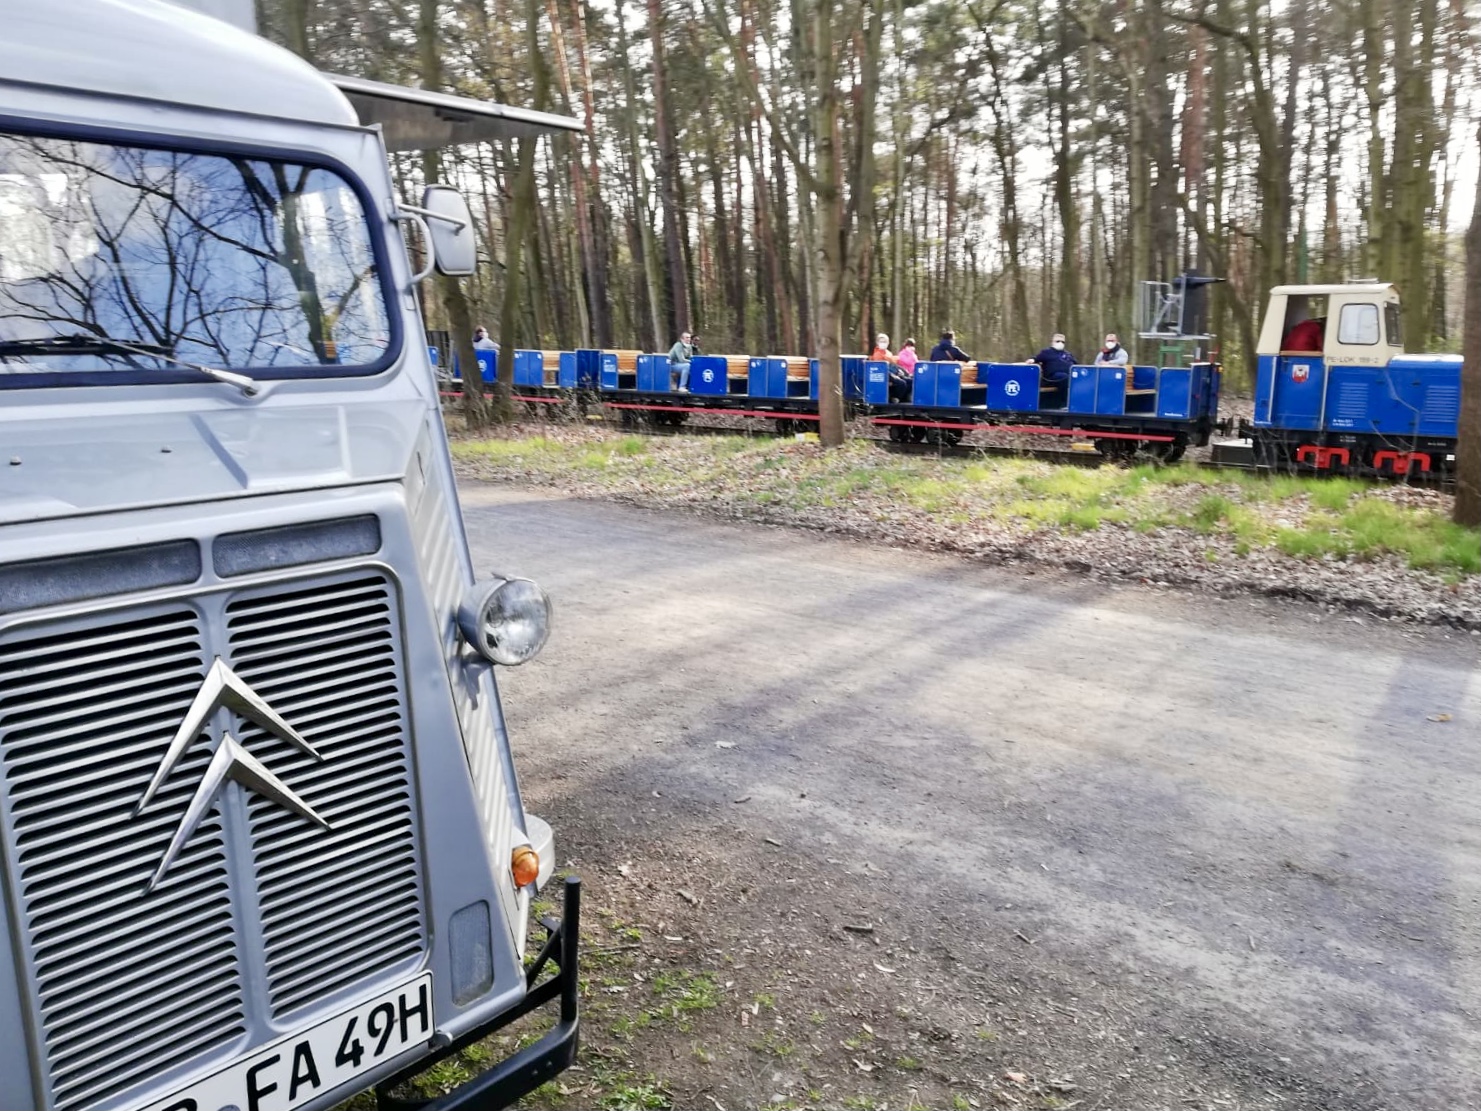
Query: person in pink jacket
[[902, 372], [908, 357]]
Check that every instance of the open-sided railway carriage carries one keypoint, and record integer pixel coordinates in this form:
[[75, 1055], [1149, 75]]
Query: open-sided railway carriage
[[1350, 401]]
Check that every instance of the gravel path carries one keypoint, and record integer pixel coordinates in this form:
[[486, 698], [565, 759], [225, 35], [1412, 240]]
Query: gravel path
[[864, 828]]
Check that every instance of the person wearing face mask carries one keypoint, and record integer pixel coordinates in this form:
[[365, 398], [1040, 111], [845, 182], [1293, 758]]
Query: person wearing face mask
[[1054, 362], [1112, 354]]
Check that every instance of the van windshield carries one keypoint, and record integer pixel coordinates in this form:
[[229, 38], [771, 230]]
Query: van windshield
[[113, 257]]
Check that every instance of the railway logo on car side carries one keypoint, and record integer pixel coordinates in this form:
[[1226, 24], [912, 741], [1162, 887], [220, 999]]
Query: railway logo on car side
[[1011, 389], [224, 689], [1300, 373]]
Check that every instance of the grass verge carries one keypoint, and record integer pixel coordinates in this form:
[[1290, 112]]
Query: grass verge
[[1303, 518]]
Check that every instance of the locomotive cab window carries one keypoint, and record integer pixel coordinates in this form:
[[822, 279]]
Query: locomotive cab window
[[1305, 323], [1305, 306], [1358, 324], [1392, 326]]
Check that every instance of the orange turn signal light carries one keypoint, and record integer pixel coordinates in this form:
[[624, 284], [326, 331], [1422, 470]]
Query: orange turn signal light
[[525, 864]]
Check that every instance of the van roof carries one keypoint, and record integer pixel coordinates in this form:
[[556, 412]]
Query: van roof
[[155, 50]]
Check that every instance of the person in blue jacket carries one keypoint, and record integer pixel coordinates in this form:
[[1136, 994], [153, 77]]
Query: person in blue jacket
[[1054, 362], [947, 351], [1054, 369]]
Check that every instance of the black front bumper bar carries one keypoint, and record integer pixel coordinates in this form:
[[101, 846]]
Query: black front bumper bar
[[532, 1066]]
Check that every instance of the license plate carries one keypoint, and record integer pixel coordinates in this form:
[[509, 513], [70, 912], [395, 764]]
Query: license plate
[[296, 1069]]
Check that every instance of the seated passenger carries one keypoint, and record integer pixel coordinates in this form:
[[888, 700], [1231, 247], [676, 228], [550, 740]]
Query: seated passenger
[[679, 356], [902, 374], [1306, 337], [900, 387], [1112, 354], [907, 357], [1054, 362], [881, 352], [947, 351]]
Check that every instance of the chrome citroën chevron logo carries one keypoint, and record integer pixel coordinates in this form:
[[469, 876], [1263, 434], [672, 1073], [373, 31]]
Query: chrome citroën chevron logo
[[224, 689]]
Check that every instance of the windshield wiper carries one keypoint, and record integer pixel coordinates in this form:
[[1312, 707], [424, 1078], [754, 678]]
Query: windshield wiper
[[107, 345]]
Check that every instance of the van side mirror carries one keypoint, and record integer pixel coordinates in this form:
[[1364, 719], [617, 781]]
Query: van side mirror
[[450, 231]]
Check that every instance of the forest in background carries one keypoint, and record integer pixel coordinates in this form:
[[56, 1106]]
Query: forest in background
[[1031, 161], [792, 176]]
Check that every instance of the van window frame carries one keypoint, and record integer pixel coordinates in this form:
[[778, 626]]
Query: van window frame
[[169, 375]]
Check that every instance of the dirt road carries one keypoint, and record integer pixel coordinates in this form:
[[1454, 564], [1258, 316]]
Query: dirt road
[[867, 828]]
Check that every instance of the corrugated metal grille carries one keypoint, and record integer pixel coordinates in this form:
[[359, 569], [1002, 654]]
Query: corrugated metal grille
[[443, 574], [340, 905], [1441, 403], [1351, 402], [129, 983]]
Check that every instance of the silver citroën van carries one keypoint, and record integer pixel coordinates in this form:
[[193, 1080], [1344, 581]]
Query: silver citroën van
[[261, 842]]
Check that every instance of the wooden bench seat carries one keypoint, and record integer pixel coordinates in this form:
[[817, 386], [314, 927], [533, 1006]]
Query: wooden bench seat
[[551, 360], [737, 366]]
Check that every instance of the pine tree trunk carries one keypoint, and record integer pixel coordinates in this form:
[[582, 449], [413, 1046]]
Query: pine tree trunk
[[600, 277], [1468, 451], [571, 155], [1069, 210], [646, 248], [668, 175], [454, 298], [521, 222], [830, 208], [1375, 50]]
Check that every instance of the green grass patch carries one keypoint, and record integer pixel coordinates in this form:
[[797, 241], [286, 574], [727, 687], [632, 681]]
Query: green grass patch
[[1300, 516], [687, 991], [647, 1095], [774, 1045], [1427, 540]]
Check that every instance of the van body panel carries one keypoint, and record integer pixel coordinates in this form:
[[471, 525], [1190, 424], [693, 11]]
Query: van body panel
[[306, 538]]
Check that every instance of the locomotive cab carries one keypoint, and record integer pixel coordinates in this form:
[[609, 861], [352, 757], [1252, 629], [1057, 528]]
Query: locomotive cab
[[1335, 389], [1356, 324]]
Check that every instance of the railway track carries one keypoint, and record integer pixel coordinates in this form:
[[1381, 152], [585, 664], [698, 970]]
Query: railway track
[[1090, 459]]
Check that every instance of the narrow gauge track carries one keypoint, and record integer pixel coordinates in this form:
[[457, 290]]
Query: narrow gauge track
[[950, 451], [1085, 459]]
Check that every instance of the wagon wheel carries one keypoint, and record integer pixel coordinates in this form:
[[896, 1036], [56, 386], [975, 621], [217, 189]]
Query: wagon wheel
[[1164, 452], [1118, 450], [785, 426], [917, 434]]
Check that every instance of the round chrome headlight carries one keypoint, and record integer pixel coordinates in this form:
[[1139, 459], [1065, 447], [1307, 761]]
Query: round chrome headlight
[[506, 620]]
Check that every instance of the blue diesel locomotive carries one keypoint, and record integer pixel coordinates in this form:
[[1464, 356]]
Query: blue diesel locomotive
[[1334, 390]]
